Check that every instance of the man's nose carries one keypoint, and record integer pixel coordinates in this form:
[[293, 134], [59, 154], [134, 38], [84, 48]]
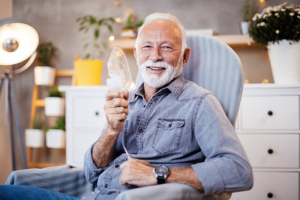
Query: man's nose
[[155, 55]]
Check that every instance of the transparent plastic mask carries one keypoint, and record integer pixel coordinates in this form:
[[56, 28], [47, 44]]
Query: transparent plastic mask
[[118, 67]]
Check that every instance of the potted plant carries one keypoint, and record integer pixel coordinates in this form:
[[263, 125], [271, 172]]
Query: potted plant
[[44, 73], [138, 25], [35, 137], [128, 30], [278, 29], [54, 103], [56, 136], [88, 70], [247, 12]]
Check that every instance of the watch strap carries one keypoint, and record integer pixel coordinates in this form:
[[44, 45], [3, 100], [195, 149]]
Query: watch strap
[[160, 180]]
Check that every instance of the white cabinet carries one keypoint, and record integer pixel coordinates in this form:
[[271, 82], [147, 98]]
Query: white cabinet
[[85, 119], [268, 128]]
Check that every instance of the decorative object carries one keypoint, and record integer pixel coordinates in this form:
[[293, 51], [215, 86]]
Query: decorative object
[[14, 50], [278, 29], [138, 25], [88, 72], [56, 136], [128, 30], [89, 22], [285, 61], [44, 73], [35, 137], [247, 12], [54, 103]]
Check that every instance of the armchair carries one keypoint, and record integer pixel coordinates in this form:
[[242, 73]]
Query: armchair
[[212, 65]]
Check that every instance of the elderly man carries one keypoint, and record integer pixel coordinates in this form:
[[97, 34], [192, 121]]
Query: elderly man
[[174, 130]]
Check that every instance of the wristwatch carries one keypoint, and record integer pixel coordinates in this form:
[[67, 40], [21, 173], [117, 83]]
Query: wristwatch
[[161, 173]]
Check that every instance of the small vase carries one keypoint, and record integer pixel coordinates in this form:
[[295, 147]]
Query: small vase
[[54, 106], [285, 61], [244, 27], [128, 34], [56, 139], [44, 75], [88, 72], [34, 138]]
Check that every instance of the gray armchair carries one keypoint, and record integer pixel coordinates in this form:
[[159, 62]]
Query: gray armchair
[[212, 65]]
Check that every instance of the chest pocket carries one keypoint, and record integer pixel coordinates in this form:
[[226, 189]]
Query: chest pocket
[[168, 134]]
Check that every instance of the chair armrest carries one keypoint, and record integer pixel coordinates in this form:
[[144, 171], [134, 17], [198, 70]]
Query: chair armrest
[[66, 179], [174, 191]]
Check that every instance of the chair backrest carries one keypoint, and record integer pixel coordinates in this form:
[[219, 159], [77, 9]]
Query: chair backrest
[[214, 66]]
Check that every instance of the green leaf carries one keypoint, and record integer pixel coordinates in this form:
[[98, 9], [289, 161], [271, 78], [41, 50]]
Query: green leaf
[[110, 28], [100, 22], [87, 56], [96, 33]]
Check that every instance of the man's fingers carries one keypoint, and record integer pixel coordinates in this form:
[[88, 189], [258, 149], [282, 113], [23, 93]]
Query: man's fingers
[[111, 94], [118, 102], [118, 110], [126, 94]]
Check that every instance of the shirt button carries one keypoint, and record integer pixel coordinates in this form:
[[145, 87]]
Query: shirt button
[[117, 166], [144, 106], [170, 125], [106, 185], [140, 130]]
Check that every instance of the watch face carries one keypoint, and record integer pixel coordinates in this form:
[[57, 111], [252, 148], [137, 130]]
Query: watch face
[[161, 170]]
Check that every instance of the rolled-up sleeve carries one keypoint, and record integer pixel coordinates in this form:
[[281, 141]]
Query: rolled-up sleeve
[[90, 169], [226, 167]]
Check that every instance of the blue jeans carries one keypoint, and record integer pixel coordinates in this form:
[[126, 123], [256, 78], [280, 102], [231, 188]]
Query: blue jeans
[[23, 192]]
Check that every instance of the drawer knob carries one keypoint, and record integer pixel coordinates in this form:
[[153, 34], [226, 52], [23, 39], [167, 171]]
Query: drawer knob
[[270, 113], [270, 151], [270, 195], [96, 113]]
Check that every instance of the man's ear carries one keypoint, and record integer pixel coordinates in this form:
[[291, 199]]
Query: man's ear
[[186, 55]]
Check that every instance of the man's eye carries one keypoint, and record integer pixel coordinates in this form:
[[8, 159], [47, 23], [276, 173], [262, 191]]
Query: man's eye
[[146, 47], [166, 47]]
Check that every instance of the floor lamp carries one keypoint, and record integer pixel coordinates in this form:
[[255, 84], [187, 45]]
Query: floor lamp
[[18, 42]]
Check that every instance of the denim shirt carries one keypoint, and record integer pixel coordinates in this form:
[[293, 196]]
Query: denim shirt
[[181, 125]]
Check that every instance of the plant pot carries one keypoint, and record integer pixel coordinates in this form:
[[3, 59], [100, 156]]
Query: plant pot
[[56, 138], [34, 138], [44, 75], [54, 106], [128, 34], [88, 72], [285, 61], [244, 27]]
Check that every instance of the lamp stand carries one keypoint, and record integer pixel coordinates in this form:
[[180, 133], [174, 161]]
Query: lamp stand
[[9, 107]]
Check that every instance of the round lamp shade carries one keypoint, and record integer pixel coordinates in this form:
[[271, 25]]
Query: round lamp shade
[[18, 41]]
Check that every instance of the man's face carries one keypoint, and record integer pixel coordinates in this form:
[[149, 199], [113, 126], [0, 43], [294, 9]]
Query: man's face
[[159, 52]]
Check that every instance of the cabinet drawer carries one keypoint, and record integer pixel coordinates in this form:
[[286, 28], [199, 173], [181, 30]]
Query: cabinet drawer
[[89, 112], [279, 185], [270, 113], [272, 151]]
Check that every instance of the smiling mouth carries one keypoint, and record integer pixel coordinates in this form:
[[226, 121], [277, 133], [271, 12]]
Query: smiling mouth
[[157, 68]]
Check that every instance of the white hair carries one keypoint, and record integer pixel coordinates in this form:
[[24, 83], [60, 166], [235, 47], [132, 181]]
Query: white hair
[[164, 16]]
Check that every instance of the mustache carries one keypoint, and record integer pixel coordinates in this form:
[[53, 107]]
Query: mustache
[[150, 63]]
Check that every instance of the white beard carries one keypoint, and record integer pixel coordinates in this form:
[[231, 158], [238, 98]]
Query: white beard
[[154, 80]]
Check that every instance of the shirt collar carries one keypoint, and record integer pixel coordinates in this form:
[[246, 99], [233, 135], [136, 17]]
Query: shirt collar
[[176, 87]]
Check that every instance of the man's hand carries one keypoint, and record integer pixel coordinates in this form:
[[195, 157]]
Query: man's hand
[[116, 110], [137, 172]]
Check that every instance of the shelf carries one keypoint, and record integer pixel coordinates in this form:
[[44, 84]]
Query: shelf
[[231, 40]]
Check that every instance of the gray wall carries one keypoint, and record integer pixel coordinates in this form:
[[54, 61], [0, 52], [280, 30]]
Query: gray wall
[[55, 20]]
